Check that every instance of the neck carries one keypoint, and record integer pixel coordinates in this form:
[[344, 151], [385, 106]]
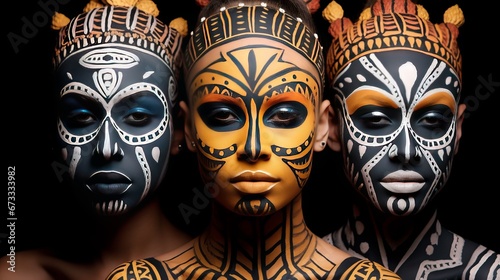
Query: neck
[[142, 233], [260, 239], [146, 232], [387, 239]]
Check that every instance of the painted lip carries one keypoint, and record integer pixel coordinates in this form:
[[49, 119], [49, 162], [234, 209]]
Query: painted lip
[[253, 182], [403, 181], [108, 183]]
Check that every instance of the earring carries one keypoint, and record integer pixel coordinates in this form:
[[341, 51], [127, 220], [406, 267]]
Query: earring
[[179, 147], [323, 144], [193, 144]]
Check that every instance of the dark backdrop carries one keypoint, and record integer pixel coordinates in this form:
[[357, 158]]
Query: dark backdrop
[[469, 205]]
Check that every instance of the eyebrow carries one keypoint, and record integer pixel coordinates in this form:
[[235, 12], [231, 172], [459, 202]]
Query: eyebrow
[[365, 97], [438, 97]]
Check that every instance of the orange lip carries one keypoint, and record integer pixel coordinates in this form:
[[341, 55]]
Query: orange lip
[[253, 182]]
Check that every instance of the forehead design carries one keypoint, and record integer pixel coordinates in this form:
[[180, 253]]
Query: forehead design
[[260, 21], [254, 71], [126, 26]]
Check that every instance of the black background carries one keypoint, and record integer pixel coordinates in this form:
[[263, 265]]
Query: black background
[[469, 204]]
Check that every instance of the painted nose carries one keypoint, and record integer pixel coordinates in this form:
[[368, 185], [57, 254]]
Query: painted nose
[[405, 149], [107, 147], [253, 149]]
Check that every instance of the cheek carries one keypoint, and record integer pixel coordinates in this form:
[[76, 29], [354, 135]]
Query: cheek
[[217, 139]]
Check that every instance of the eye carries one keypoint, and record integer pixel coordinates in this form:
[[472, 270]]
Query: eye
[[222, 116], [78, 111], [375, 119], [80, 118], [285, 115], [433, 121], [138, 117]]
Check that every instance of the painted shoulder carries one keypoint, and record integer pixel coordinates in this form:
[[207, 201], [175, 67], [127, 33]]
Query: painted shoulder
[[358, 269], [140, 269]]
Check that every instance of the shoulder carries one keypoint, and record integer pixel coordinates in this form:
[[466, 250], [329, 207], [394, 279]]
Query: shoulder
[[350, 267], [480, 262], [354, 268], [29, 264], [150, 268]]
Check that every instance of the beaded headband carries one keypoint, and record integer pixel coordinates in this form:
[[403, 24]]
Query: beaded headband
[[392, 24], [133, 24], [262, 21]]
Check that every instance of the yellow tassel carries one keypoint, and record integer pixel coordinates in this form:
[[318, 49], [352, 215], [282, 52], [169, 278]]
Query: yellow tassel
[[180, 25], [454, 15], [125, 3], [332, 12], [422, 12], [59, 21], [148, 6]]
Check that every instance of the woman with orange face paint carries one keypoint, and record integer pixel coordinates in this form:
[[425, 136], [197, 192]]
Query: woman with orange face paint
[[396, 80], [254, 81]]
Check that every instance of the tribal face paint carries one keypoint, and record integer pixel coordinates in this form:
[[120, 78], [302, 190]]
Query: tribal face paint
[[399, 114], [252, 99], [117, 88]]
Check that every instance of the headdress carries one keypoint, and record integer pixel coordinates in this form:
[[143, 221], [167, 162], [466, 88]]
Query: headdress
[[392, 24], [232, 22], [129, 22]]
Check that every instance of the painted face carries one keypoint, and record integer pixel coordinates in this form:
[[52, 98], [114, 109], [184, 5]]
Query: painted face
[[115, 124], [253, 111], [399, 113]]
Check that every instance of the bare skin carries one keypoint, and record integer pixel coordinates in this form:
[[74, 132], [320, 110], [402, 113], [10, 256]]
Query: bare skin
[[146, 233]]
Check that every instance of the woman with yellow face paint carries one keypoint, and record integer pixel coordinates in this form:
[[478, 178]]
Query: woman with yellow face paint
[[254, 81]]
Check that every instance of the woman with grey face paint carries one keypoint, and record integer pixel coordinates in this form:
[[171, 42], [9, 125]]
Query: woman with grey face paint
[[116, 75], [397, 120]]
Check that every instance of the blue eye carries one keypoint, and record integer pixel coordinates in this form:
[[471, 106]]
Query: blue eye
[[138, 117], [80, 118], [77, 111], [285, 115]]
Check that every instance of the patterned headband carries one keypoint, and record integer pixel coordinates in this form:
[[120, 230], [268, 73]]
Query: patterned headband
[[133, 24], [262, 21], [392, 24]]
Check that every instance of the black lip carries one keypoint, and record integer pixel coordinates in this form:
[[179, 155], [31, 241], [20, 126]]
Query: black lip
[[108, 178], [108, 183]]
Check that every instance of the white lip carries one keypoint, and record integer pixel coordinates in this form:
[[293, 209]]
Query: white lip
[[403, 181]]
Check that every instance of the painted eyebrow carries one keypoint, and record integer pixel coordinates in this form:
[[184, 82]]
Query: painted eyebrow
[[438, 97], [365, 97]]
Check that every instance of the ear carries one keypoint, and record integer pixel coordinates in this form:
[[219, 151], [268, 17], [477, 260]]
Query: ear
[[334, 129], [460, 121], [322, 127], [188, 133]]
